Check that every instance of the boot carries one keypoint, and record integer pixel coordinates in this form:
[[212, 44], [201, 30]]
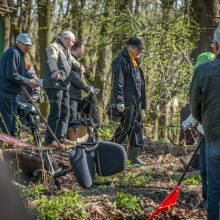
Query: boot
[[134, 155]]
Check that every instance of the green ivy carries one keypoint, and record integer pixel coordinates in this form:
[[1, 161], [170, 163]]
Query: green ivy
[[193, 180], [67, 206], [35, 191], [128, 204]]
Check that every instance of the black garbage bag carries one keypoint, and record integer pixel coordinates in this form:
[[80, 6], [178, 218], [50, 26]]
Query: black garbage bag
[[89, 110]]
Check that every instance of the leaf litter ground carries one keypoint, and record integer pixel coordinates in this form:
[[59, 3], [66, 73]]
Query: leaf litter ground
[[150, 183]]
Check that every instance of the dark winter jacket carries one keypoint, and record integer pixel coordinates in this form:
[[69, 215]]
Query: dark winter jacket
[[76, 84], [12, 71], [204, 98], [128, 82]]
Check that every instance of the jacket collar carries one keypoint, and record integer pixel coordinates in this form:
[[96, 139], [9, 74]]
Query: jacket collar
[[124, 52], [60, 43], [19, 50], [218, 57], [76, 58]]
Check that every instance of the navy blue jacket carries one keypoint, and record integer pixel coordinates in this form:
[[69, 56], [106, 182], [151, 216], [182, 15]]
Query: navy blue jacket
[[12, 71], [126, 88]]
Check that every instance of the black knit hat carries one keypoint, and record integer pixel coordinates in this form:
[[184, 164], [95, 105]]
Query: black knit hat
[[136, 42]]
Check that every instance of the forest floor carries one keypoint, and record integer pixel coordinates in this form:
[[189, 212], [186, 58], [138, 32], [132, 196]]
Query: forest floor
[[136, 192]]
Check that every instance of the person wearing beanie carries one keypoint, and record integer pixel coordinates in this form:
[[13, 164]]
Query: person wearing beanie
[[191, 122], [13, 76], [204, 96], [204, 58], [128, 95]]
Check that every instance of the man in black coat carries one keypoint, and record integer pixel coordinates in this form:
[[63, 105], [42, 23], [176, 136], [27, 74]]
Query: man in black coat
[[77, 85], [128, 95]]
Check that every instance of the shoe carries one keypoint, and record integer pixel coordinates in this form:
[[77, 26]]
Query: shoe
[[134, 156], [68, 142]]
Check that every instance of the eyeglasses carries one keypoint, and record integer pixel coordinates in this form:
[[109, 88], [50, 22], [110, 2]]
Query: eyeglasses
[[27, 45]]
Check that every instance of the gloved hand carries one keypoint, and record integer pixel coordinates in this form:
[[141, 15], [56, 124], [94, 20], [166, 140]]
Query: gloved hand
[[120, 107], [94, 91], [186, 124]]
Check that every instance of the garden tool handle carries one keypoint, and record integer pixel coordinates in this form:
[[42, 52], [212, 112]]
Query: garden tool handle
[[190, 161], [44, 120]]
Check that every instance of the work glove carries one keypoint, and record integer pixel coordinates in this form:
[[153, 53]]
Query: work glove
[[94, 91], [186, 124], [120, 107]]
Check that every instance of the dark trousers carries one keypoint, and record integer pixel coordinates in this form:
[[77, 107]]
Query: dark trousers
[[130, 127], [202, 167], [74, 108], [59, 114], [8, 113]]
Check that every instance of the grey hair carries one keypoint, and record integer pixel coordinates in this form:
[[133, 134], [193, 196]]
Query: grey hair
[[217, 35], [67, 34]]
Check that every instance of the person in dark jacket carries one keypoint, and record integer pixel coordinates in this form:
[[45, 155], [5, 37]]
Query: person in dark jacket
[[205, 107], [128, 95], [186, 137], [13, 76], [57, 69], [77, 85]]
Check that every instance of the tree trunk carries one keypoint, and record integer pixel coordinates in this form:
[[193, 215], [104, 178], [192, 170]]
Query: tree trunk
[[162, 121], [121, 8], [204, 13], [44, 21], [101, 72], [7, 26], [166, 8]]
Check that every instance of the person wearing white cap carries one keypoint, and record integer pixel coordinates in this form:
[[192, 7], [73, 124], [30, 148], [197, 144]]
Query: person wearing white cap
[[13, 75]]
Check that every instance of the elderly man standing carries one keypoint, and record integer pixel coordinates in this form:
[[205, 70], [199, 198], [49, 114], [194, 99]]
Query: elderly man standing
[[128, 95], [57, 69], [205, 108], [13, 75]]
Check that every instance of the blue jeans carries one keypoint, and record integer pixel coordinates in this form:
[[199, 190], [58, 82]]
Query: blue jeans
[[202, 168], [213, 171]]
